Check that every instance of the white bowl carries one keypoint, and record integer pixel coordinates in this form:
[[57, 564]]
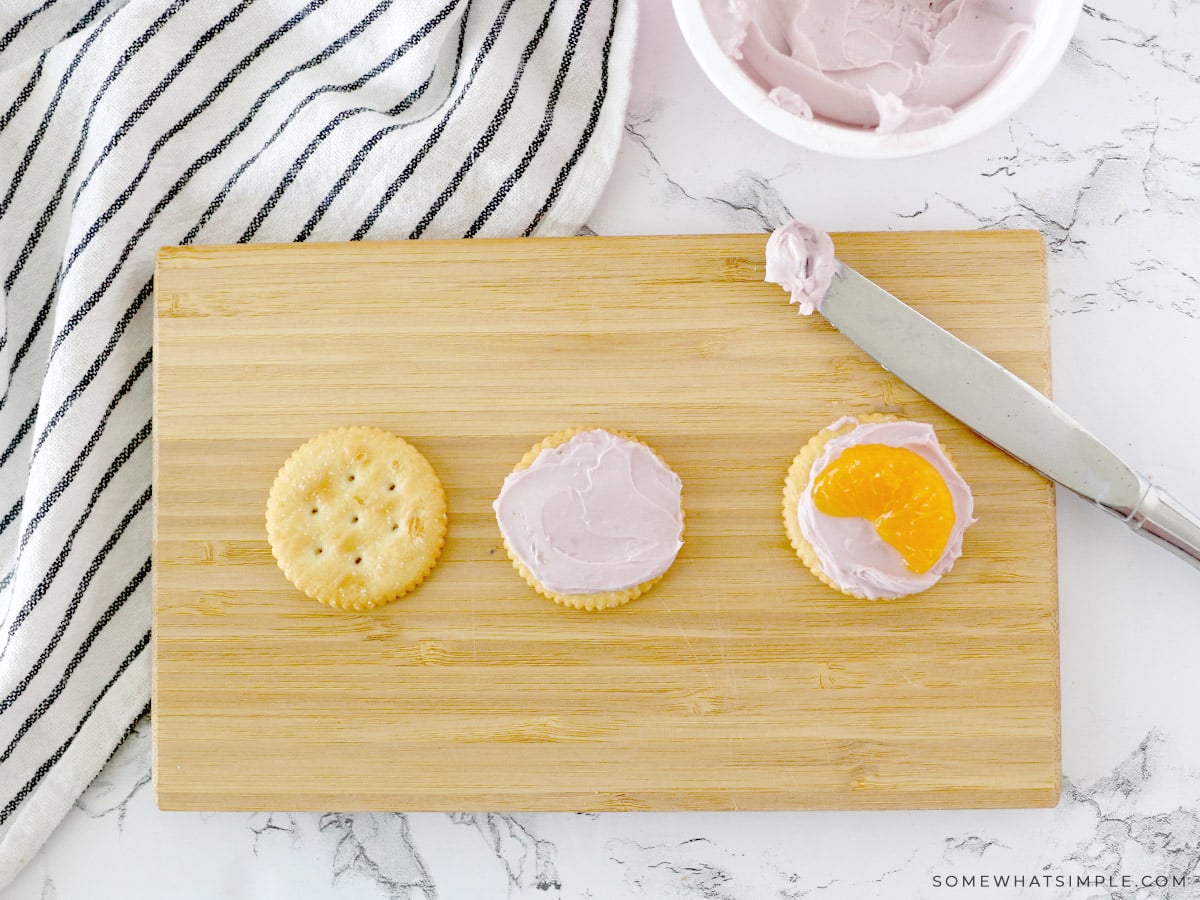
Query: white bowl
[[1019, 80]]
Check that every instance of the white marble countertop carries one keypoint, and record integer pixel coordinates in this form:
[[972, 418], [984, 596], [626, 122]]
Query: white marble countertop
[[1105, 161]]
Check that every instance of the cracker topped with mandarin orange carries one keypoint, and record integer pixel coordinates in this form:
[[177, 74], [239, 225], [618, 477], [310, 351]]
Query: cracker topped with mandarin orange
[[875, 507]]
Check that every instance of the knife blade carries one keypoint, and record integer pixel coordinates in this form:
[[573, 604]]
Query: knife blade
[[1004, 410]]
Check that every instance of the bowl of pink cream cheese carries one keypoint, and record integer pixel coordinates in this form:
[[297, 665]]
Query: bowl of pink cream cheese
[[877, 78]]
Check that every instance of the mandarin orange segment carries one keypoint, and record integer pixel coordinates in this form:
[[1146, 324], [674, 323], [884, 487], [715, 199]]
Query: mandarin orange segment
[[898, 491]]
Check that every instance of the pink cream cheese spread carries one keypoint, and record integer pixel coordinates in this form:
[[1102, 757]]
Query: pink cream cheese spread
[[800, 260], [849, 550], [888, 65], [596, 513]]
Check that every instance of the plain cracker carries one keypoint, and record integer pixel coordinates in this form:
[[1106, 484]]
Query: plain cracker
[[356, 517]]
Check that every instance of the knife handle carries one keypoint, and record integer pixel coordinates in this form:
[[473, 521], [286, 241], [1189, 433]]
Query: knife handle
[[1165, 520]]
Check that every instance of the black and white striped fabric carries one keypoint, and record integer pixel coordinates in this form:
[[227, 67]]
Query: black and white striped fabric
[[129, 124]]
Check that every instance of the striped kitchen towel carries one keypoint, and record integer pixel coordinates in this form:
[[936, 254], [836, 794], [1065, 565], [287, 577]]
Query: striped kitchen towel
[[129, 124]]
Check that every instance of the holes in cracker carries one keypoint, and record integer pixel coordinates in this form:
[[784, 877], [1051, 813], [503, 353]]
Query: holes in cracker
[[357, 560], [391, 487], [318, 551], [349, 477], [353, 520]]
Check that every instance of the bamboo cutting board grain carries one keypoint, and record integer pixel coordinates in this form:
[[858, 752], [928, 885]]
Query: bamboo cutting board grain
[[739, 682]]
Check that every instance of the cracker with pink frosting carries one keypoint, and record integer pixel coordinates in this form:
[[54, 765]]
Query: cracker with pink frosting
[[591, 518]]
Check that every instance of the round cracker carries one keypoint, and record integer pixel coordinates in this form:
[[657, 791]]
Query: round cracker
[[604, 599], [798, 475], [356, 517]]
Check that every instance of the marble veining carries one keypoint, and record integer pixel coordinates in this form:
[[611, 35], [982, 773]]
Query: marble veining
[[125, 776], [1105, 162], [528, 861], [267, 827], [378, 849]]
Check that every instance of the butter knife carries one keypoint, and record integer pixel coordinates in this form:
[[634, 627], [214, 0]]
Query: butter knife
[[1004, 410]]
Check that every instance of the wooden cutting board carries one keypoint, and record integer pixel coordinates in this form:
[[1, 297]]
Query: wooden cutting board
[[739, 682]]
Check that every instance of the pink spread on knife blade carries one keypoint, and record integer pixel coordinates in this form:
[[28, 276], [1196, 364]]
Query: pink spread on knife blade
[[800, 260], [890, 65]]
